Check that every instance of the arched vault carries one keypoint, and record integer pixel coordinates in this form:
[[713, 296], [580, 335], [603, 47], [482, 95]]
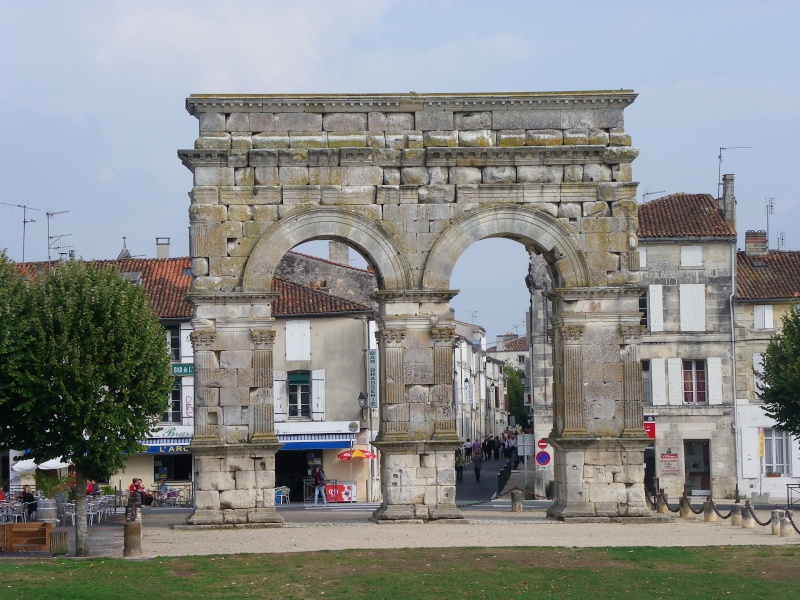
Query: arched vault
[[533, 228], [359, 232]]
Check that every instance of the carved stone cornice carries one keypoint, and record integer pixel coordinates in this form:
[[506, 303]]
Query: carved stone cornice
[[203, 158], [631, 332], [203, 339], [594, 293], [263, 338], [391, 337], [571, 333], [528, 155], [443, 335], [199, 298], [414, 295]]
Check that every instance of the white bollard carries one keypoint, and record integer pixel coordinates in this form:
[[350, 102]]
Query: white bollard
[[786, 527], [777, 515]]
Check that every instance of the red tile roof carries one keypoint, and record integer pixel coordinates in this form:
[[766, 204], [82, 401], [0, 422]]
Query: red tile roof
[[166, 282], [296, 299], [519, 344], [771, 276], [683, 216]]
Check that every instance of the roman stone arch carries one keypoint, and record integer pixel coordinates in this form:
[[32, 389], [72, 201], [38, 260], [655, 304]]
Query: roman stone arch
[[411, 181], [363, 234], [536, 230]]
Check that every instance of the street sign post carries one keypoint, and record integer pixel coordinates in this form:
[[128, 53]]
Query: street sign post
[[542, 443], [542, 458]]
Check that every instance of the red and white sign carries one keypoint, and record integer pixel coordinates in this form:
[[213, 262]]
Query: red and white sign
[[341, 492], [650, 426], [542, 443]]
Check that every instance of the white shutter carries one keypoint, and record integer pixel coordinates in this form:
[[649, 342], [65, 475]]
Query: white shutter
[[751, 462], [655, 307], [714, 382], [758, 368], [693, 306], [658, 378], [642, 257], [280, 394], [298, 340], [318, 395], [691, 256], [675, 377], [794, 463], [762, 316]]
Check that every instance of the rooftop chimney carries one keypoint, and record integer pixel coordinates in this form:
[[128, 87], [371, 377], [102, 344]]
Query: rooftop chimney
[[755, 242], [728, 201], [162, 247]]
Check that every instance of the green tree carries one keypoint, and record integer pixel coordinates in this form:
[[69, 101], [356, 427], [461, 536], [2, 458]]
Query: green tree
[[91, 375], [779, 379], [516, 396]]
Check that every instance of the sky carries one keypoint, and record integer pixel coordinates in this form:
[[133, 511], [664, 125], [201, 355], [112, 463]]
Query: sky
[[92, 101]]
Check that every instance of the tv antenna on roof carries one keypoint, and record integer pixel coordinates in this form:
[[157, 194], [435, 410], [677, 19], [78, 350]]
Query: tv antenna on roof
[[769, 208], [646, 194], [719, 168], [52, 239], [25, 221], [781, 240]]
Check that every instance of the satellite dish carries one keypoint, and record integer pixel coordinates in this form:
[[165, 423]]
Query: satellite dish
[[353, 426]]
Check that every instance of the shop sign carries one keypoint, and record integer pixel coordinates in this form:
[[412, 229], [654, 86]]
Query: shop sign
[[669, 463], [650, 426], [168, 449], [372, 373], [183, 369]]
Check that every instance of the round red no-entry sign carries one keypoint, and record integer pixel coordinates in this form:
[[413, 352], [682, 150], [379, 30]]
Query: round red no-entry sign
[[542, 458], [542, 443]]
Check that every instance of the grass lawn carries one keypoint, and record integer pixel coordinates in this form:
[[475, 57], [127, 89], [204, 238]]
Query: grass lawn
[[444, 573]]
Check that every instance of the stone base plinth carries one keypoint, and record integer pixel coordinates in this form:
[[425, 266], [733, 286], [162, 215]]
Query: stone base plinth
[[418, 480], [599, 478]]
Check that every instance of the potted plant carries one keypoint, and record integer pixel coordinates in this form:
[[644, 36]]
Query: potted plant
[[49, 485], [773, 474]]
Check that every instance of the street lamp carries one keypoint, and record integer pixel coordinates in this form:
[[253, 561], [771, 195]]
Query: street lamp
[[362, 402]]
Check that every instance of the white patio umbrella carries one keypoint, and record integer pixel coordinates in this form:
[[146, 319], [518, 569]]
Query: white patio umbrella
[[23, 466]]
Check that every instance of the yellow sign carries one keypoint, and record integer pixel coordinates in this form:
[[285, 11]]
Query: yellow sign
[[761, 444]]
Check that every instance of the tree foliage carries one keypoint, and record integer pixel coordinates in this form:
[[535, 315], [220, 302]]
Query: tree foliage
[[516, 396], [779, 383], [84, 371]]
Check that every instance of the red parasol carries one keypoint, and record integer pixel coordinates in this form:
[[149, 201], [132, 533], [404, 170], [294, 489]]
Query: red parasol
[[350, 454]]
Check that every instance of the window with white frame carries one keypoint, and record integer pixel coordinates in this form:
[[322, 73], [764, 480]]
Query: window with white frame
[[691, 256], [299, 394], [647, 396], [693, 306], [643, 309], [777, 451], [655, 307], [174, 342], [694, 382], [762, 316], [520, 359], [642, 257], [298, 340], [173, 412]]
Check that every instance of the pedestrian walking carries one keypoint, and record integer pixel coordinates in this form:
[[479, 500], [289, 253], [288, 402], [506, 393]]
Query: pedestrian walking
[[319, 485], [477, 463], [459, 466], [468, 451]]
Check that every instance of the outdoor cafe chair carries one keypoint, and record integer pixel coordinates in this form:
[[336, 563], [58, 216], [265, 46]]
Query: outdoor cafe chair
[[69, 513], [16, 513]]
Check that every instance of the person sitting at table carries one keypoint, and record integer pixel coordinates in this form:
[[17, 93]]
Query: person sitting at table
[[26, 496], [2, 495], [145, 498]]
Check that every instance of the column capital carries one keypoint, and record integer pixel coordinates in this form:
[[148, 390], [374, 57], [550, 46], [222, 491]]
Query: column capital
[[203, 339]]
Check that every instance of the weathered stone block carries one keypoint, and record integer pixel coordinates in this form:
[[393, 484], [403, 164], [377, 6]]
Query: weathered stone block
[[199, 266], [362, 176], [206, 500], [234, 396], [323, 157], [526, 119], [533, 174], [377, 121], [347, 140], [235, 359], [215, 176], [573, 137], [544, 137], [465, 175], [376, 139], [473, 120], [596, 209], [301, 194], [205, 195], [241, 141], [598, 137], [308, 139], [262, 122], [617, 137], [237, 499], [245, 480], [607, 118], [244, 176], [325, 175], [440, 139], [433, 119], [596, 173], [298, 122], [399, 122], [266, 194], [211, 122], [499, 174], [511, 137], [270, 140], [477, 138], [391, 176], [344, 122], [215, 480], [414, 176], [438, 175], [573, 173], [569, 210], [358, 194], [266, 176], [293, 176], [263, 157], [437, 194], [622, 172]]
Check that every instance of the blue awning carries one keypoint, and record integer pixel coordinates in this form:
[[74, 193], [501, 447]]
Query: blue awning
[[315, 441]]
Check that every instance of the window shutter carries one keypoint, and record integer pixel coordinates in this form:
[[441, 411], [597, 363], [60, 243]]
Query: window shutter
[[714, 367], [693, 306], [655, 307], [794, 464], [768, 324], [750, 460], [691, 256], [758, 367], [762, 316], [318, 395], [281, 396], [675, 377], [642, 257], [298, 340], [658, 377]]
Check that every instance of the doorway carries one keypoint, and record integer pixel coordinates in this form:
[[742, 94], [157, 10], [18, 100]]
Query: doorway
[[697, 467], [291, 467]]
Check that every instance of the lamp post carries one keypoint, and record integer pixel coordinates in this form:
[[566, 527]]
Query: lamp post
[[464, 406], [362, 403]]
